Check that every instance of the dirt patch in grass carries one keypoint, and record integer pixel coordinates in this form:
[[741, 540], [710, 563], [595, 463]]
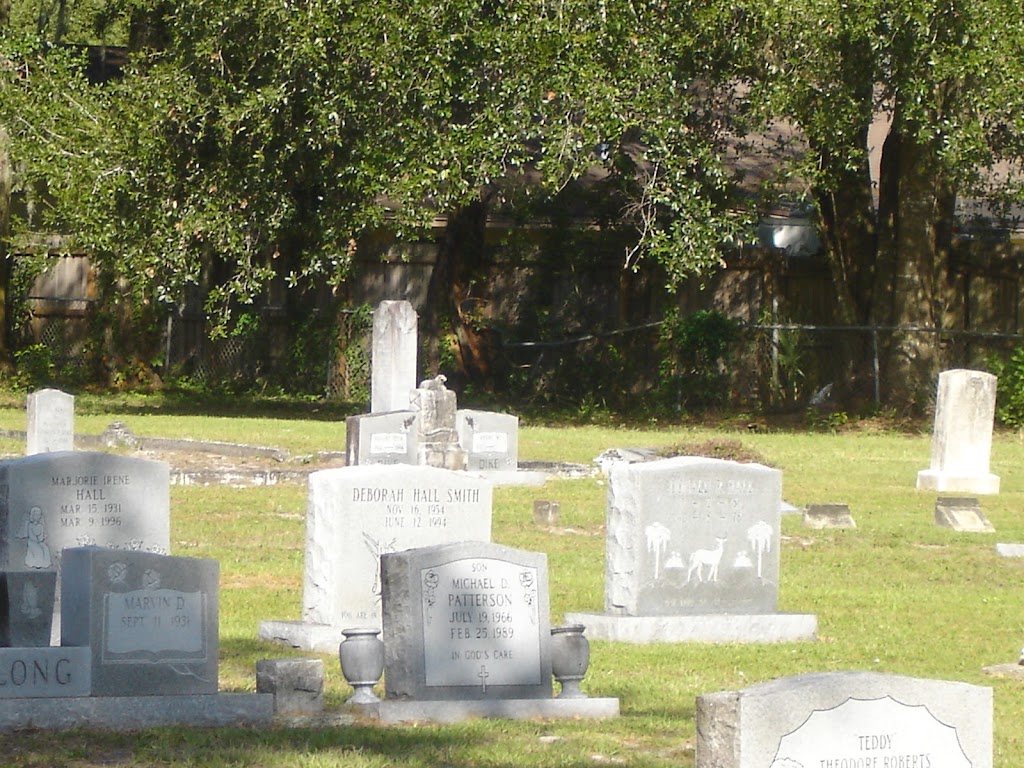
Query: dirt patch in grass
[[725, 448]]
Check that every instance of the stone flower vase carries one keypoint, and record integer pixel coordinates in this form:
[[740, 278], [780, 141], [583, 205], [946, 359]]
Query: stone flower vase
[[362, 662], [570, 657]]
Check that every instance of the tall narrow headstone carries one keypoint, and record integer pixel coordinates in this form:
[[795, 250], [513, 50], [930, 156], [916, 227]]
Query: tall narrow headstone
[[51, 422], [962, 436], [692, 553], [356, 515], [393, 356]]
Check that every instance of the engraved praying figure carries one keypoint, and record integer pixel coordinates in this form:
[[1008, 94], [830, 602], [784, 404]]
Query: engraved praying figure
[[33, 530]]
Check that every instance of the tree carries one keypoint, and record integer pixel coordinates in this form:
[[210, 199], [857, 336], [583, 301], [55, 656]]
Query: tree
[[942, 74], [257, 141]]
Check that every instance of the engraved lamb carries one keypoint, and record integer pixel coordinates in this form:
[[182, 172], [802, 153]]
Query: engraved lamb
[[706, 557]]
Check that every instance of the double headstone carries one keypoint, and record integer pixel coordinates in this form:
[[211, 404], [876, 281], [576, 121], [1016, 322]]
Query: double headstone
[[962, 436], [854, 719], [692, 553], [355, 516]]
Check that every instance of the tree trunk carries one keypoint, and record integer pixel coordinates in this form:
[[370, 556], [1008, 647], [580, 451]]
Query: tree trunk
[[455, 319], [847, 226], [6, 258], [916, 208]]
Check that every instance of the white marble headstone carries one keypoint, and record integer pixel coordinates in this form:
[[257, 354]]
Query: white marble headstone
[[393, 356], [51, 422], [962, 435]]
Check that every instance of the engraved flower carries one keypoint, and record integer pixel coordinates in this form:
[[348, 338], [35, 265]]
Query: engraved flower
[[526, 579], [150, 579], [431, 579], [117, 572]]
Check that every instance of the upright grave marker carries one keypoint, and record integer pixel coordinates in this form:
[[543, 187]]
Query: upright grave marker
[[490, 439], [466, 634], [358, 514], [51, 422], [692, 553], [962, 436], [53, 501], [859, 719], [150, 621], [393, 356], [382, 438], [466, 621]]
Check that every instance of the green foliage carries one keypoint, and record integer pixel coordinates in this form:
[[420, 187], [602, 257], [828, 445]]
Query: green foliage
[[1009, 388], [35, 367], [695, 350]]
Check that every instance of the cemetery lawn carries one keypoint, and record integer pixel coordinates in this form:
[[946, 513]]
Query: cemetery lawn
[[897, 594]]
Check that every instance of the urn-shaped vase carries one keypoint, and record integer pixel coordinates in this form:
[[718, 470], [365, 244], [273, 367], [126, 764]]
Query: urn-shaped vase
[[570, 657], [362, 662]]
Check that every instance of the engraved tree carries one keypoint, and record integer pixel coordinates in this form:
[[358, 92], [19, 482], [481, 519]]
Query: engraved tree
[[658, 537], [759, 535]]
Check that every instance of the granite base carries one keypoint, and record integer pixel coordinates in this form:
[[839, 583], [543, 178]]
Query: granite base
[[714, 628], [407, 711], [124, 713]]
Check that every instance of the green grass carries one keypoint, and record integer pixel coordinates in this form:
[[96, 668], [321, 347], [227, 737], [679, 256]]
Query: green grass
[[897, 594]]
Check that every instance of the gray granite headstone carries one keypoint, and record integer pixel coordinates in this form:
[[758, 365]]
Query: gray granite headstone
[[962, 514], [692, 535], [466, 621], [51, 422], [546, 512], [382, 438], [51, 501], [150, 621], [491, 440], [297, 685], [846, 719], [26, 608], [393, 356], [962, 435], [49, 672]]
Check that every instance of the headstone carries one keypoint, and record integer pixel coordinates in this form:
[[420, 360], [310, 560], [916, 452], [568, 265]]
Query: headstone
[[51, 422], [355, 515], [150, 621], [819, 516], [51, 501], [692, 537], [466, 621], [26, 608], [961, 514], [491, 440], [42, 672], [850, 719], [438, 439], [546, 512], [393, 356], [962, 436], [297, 685], [382, 438]]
